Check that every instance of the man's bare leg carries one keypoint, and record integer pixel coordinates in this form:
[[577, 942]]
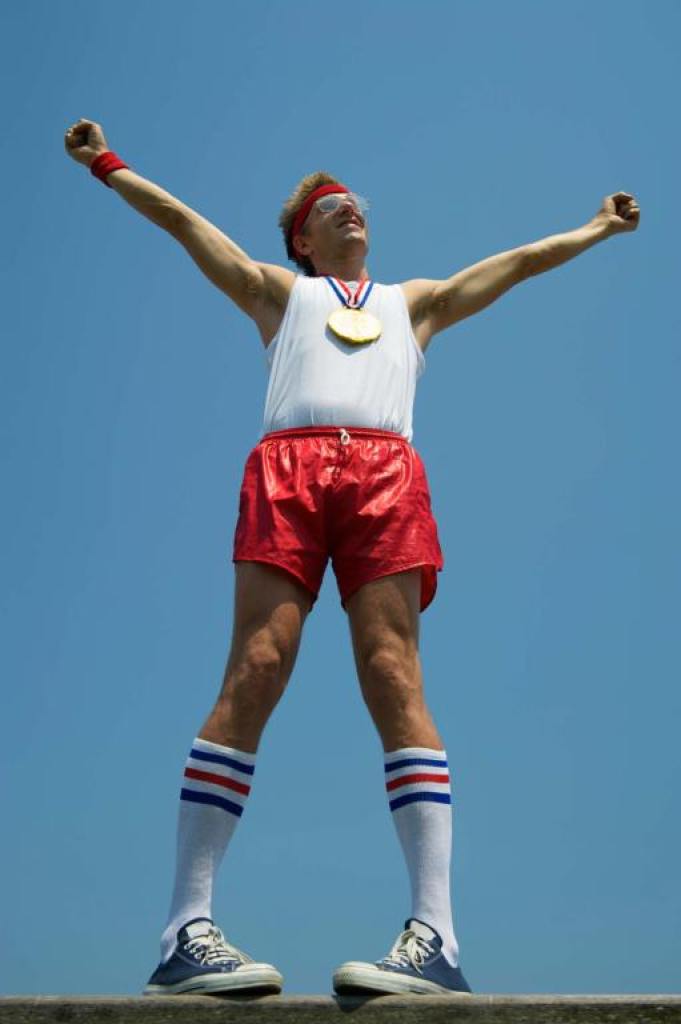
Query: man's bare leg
[[384, 623], [270, 608]]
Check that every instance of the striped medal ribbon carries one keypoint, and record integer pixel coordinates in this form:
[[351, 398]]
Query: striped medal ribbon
[[352, 323]]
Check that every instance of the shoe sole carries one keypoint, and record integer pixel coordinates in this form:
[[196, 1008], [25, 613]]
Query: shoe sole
[[356, 975], [261, 978]]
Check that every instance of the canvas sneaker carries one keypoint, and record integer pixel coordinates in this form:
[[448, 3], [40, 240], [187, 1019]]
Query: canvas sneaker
[[415, 963], [203, 962]]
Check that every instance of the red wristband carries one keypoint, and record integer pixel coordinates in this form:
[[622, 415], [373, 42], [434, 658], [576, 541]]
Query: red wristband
[[104, 164]]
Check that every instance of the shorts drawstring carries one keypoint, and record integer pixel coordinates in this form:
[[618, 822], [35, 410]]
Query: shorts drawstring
[[342, 454]]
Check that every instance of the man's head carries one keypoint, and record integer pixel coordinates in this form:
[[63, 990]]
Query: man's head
[[322, 220]]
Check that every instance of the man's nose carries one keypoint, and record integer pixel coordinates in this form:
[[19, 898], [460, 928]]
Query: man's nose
[[347, 205]]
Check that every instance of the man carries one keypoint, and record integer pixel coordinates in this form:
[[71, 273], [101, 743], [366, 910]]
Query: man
[[334, 476]]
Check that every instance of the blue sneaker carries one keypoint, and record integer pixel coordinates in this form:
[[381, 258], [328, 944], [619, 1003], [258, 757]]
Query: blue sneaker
[[416, 963], [203, 962]]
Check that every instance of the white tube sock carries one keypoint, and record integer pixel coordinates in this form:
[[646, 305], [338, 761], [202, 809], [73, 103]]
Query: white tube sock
[[217, 781], [419, 793]]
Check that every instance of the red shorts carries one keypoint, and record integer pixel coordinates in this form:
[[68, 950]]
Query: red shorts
[[357, 496]]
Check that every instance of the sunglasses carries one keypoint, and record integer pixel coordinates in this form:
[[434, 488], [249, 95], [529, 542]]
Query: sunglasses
[[330, 203]]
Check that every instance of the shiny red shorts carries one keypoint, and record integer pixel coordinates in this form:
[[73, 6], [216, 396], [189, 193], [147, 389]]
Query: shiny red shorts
[[357, 496]]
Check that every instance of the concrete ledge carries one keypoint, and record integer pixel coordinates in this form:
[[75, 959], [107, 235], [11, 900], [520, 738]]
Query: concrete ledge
[[379, 1009]]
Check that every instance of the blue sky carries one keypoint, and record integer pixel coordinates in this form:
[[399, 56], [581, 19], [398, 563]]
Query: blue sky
[[131, 391]]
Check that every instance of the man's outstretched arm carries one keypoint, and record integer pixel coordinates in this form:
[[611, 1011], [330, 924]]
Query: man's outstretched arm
[[436, 305], [261, 290]]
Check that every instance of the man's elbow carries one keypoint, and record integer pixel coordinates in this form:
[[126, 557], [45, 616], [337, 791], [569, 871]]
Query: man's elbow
[[539, 258], [528, 263]]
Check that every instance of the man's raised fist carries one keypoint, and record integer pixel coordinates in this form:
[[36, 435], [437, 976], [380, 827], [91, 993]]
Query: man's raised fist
[[84, 141]]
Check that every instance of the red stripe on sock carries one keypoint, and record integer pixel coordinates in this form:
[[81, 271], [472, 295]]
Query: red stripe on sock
[[219, 780], [405, 780]]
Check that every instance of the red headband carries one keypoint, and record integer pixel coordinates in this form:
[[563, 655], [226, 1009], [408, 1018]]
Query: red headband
[[301, 216]]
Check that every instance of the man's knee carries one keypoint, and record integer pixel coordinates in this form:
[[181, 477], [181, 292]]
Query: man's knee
[[390, 671], [254, 681], [257, 671]]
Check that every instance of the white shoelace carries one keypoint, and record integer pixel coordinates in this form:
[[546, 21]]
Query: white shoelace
[[409, 950], [212, 948]]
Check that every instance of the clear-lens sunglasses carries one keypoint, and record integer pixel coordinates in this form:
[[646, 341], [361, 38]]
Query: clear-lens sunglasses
[[330, 203]]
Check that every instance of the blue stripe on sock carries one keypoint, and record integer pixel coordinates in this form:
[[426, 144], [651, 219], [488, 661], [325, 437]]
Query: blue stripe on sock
[[409, 798], [211, 798], [201, 755], [390, 767]]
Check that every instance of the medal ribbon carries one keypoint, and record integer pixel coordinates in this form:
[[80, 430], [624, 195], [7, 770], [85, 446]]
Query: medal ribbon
[[345, 294]]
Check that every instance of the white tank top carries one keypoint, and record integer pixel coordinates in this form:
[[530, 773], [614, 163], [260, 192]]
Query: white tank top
[[318, 380]]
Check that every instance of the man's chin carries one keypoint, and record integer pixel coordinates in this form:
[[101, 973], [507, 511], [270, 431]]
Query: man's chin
[[356, 237], [354, 246]]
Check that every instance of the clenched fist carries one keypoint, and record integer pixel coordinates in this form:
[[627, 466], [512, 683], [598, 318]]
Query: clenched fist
[[619, 212], [84, 141]]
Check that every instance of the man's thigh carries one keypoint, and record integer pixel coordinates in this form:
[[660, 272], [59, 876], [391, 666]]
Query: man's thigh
[[270, 607], [384, 614]]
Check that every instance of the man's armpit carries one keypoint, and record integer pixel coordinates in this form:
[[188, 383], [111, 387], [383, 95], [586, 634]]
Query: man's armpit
[[277, 285], [420, 296]]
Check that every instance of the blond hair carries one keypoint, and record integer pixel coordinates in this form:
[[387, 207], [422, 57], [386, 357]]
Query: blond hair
[[290, 208]]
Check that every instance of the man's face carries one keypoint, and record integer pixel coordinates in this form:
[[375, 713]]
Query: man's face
[[334, 225]]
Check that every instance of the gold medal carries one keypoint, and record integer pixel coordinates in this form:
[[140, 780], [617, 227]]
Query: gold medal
[[352, 323], [354, 326]]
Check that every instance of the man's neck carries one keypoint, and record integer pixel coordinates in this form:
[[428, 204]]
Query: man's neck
[[349, 269]]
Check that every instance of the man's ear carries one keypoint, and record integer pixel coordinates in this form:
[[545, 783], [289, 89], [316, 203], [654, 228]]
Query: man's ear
[[301, 245]]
